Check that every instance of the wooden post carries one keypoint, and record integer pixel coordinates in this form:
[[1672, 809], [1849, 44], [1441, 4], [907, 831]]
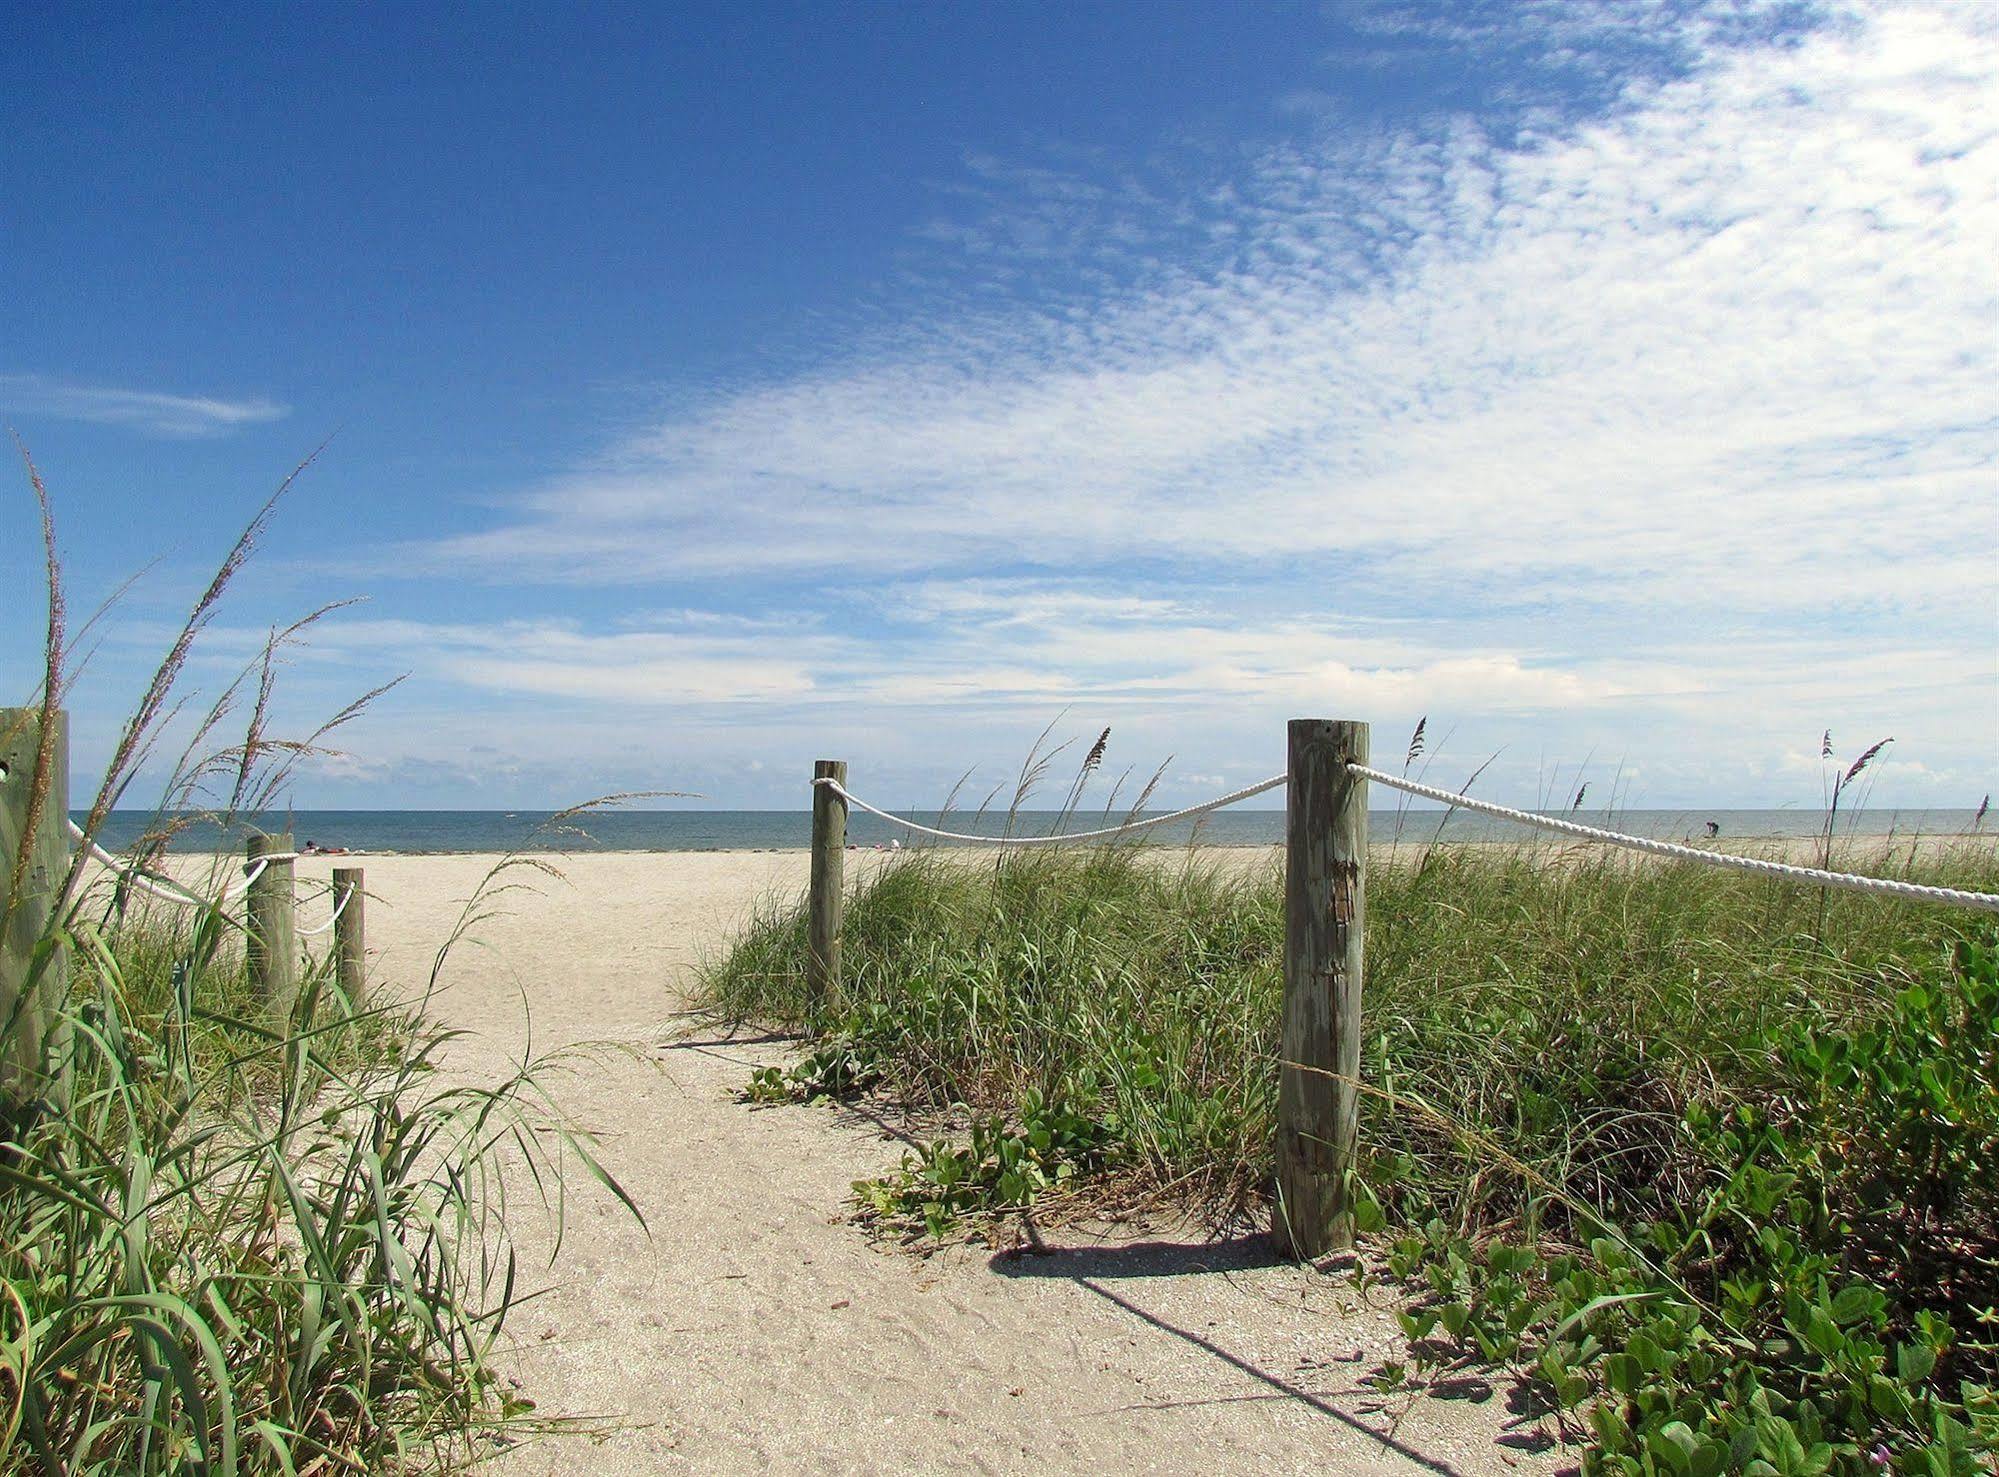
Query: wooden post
[[34, 864], [350, 932], [829, 846], [272, 920], [1325, 917]]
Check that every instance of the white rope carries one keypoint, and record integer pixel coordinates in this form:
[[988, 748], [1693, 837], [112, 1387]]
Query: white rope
[[1954, 896], [172, 891], [346, 897], [1129, 826]]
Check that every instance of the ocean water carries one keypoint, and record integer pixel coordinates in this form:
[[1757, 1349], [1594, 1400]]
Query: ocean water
[[422, 831]]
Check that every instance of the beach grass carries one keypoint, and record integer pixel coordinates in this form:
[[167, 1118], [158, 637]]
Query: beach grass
[[1570, 1003], [247, 1243], [1607, 1100], [239, 1236], [185, 971]]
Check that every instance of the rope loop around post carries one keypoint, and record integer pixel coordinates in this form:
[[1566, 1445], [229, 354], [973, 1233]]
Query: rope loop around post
[[340, 901]]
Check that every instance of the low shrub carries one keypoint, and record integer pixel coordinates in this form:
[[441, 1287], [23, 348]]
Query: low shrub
[[1829, 1301]]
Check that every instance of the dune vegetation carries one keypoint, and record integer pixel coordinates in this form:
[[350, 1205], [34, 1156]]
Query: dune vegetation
[[236, 1234], [1711, 1163]]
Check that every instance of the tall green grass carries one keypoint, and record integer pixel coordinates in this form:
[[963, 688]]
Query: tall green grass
[[183, 974], [1710, 1163], [252, 1244], [1572, 1006], [235, 1238]]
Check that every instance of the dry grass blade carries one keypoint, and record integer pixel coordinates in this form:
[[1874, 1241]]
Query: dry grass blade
[[140, 726], [256, 1241], [1866, 758], [944, 810], [51, 691], [1438, 835], [1145, 795], [1117, 788], [1096, 755], [1033, 770], [1089, 766]]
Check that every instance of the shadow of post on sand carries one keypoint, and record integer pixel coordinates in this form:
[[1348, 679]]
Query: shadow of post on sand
[[1090, 1267]]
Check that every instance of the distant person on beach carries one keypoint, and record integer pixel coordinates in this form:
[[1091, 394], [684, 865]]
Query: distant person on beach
[[1713, 829], [313, 848]]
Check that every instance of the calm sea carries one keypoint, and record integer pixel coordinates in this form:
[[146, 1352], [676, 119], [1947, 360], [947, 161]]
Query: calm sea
[[766, 830]]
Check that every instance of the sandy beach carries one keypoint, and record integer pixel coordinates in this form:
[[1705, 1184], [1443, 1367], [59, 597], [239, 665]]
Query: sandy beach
[[751, 1328], [1464, 532]]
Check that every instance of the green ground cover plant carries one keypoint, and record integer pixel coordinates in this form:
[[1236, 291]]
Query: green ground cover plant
[[1707, 1160]]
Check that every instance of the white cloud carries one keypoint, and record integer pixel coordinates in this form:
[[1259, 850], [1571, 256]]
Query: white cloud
[[1665, 428], [996, 659], [1730, 344], [698, 658], [147, 411]]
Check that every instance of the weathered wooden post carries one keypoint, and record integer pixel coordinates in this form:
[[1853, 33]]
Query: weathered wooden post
[[350, 932], [272, 942], [829, 847], [1325, 915], [34, 863]]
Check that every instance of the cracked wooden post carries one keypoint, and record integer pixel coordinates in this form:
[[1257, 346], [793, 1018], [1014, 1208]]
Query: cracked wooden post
[[272, 933], [34, 863], [829, 847], [1325, 914], [350, 933]]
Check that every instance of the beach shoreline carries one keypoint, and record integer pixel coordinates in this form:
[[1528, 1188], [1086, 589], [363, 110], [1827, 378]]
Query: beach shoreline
[[731, 832], [1861, 850]]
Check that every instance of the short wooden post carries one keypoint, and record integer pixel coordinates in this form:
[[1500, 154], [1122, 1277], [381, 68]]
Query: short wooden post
[[350, 932], [34, 864], [1325, 917], [272, 918], [829, 847]]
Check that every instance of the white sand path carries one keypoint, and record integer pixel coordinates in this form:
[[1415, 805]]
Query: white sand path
[[756, 1331]]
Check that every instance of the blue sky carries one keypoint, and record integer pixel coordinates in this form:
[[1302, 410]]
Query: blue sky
[[701, 392]]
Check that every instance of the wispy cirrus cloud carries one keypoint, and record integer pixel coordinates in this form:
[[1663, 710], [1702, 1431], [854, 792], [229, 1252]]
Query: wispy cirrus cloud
[[147, 411], [988, 647], [1729, 342], [942, 675], [1663, 422]]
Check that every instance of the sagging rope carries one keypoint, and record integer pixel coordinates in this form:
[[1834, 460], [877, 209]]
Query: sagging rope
[[1129, 826], [171, 891], [339, 907], [1955, 897], [1888, 886]]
